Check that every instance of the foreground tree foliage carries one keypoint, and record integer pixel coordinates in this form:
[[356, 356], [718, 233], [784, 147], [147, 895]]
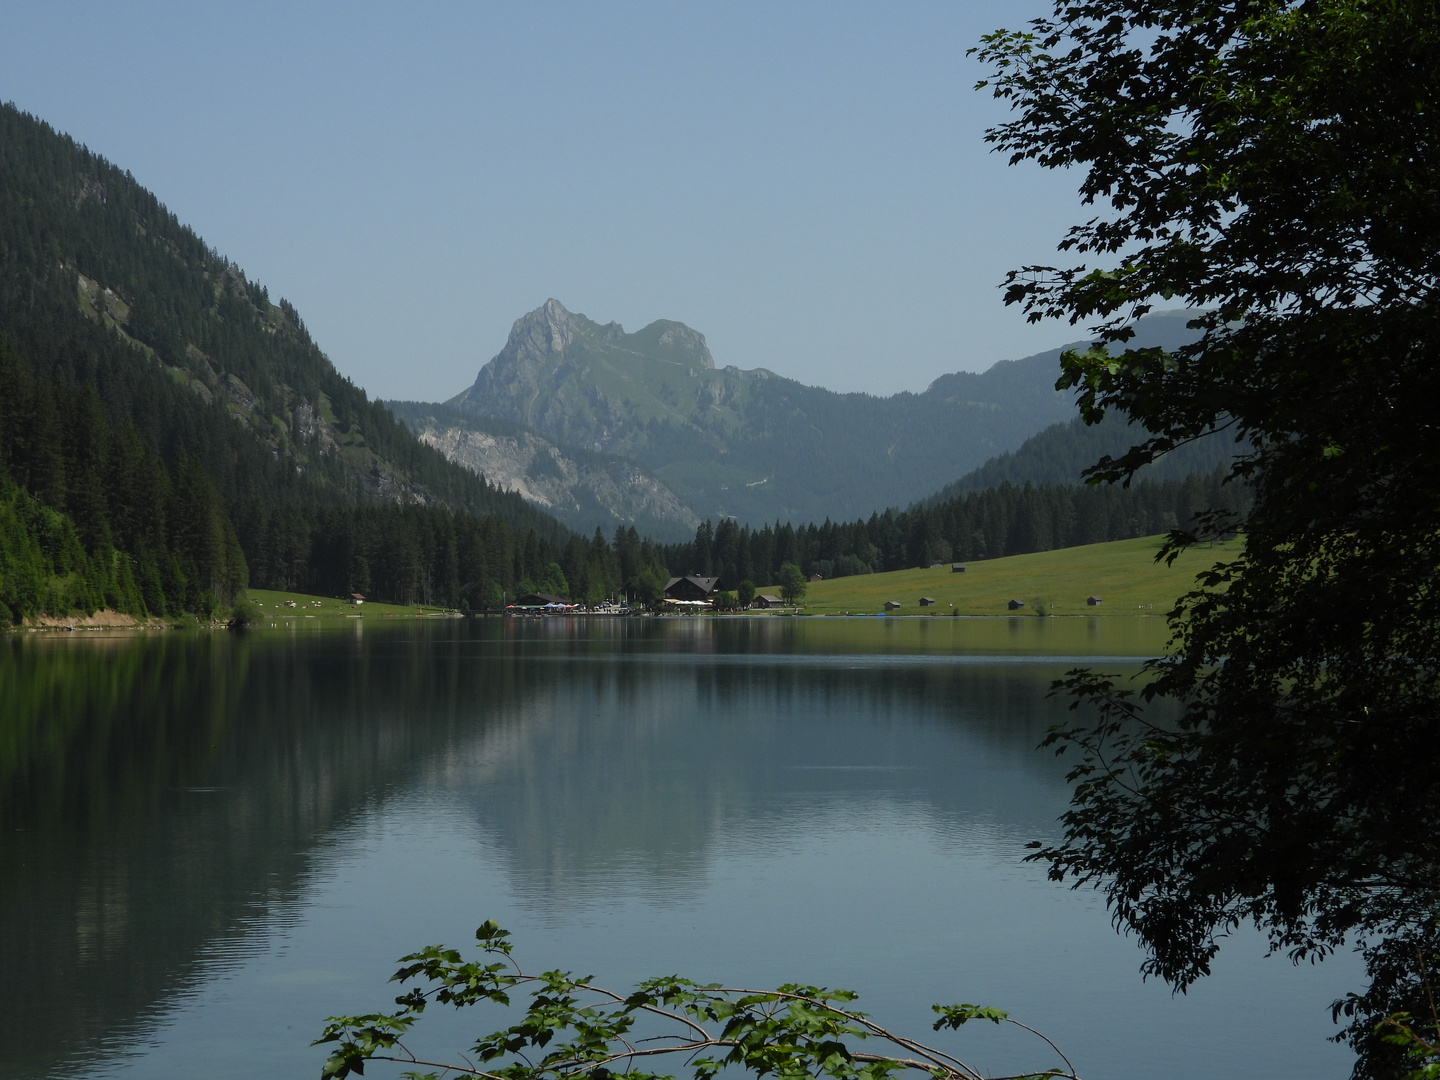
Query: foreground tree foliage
[[571, 1027], [1275, 165]]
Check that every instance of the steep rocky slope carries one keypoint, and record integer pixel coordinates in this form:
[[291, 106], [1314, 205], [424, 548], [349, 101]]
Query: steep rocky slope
[[582, 489]]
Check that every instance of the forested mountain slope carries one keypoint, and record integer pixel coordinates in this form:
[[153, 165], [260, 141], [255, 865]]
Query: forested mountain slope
[[1060, 454], [749, 444], [99, 283], [111, 309]]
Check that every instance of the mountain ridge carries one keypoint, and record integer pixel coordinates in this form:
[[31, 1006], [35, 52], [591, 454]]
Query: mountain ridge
[[748, 443], [1059, 454]]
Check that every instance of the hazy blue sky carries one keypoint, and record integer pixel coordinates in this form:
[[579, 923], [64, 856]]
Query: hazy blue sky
[[806, 184]]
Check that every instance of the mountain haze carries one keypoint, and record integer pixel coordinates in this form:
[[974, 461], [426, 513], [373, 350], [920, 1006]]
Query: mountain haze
[[750, 444]]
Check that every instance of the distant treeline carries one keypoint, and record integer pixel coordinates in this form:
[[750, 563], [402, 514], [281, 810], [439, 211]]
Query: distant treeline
[[433, 555], [1004, 520]]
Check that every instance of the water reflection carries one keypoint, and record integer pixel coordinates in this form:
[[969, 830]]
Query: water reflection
[[165, 801], [646, 764], [159, 799]]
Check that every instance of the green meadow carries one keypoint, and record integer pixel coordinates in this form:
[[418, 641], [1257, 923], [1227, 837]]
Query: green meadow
[[273, 606], [1123, 573]]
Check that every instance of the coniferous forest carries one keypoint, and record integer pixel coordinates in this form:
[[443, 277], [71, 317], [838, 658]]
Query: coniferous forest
[[169, 437]]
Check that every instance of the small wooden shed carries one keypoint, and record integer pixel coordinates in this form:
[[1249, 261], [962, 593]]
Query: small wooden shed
[[1015, 605], [957, 568], [927, 601], [1094, 601], [891, 605]]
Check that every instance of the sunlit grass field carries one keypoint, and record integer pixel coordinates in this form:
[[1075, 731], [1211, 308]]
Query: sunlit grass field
[[1123, 574], [270, 607]]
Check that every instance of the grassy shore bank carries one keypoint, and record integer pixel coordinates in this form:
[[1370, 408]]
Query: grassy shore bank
[[271, 606]]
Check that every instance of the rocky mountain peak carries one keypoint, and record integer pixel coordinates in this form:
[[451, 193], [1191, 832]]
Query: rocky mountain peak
[[547, 331]]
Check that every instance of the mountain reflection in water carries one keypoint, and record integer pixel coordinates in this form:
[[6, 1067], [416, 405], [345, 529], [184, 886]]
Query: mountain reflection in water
[[172, 806]]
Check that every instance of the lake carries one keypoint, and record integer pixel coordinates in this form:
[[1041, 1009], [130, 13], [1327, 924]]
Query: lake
[[211, 841]]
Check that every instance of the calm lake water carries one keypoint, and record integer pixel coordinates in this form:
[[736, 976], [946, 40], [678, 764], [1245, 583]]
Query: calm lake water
[[209, 842]]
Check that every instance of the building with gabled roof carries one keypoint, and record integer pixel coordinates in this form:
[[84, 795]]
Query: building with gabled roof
[[691, 587]]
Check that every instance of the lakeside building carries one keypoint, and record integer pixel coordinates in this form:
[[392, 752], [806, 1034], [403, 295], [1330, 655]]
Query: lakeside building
[[691, 587]]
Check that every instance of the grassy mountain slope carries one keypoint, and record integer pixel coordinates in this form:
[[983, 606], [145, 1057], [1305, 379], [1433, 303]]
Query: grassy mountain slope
[[750, 444]]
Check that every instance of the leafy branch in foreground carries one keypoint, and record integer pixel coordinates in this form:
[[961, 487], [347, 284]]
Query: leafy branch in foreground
[[573, 1028]]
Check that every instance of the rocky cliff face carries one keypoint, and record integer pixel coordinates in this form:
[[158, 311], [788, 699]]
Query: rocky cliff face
[[582, 495], [583, 490]]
